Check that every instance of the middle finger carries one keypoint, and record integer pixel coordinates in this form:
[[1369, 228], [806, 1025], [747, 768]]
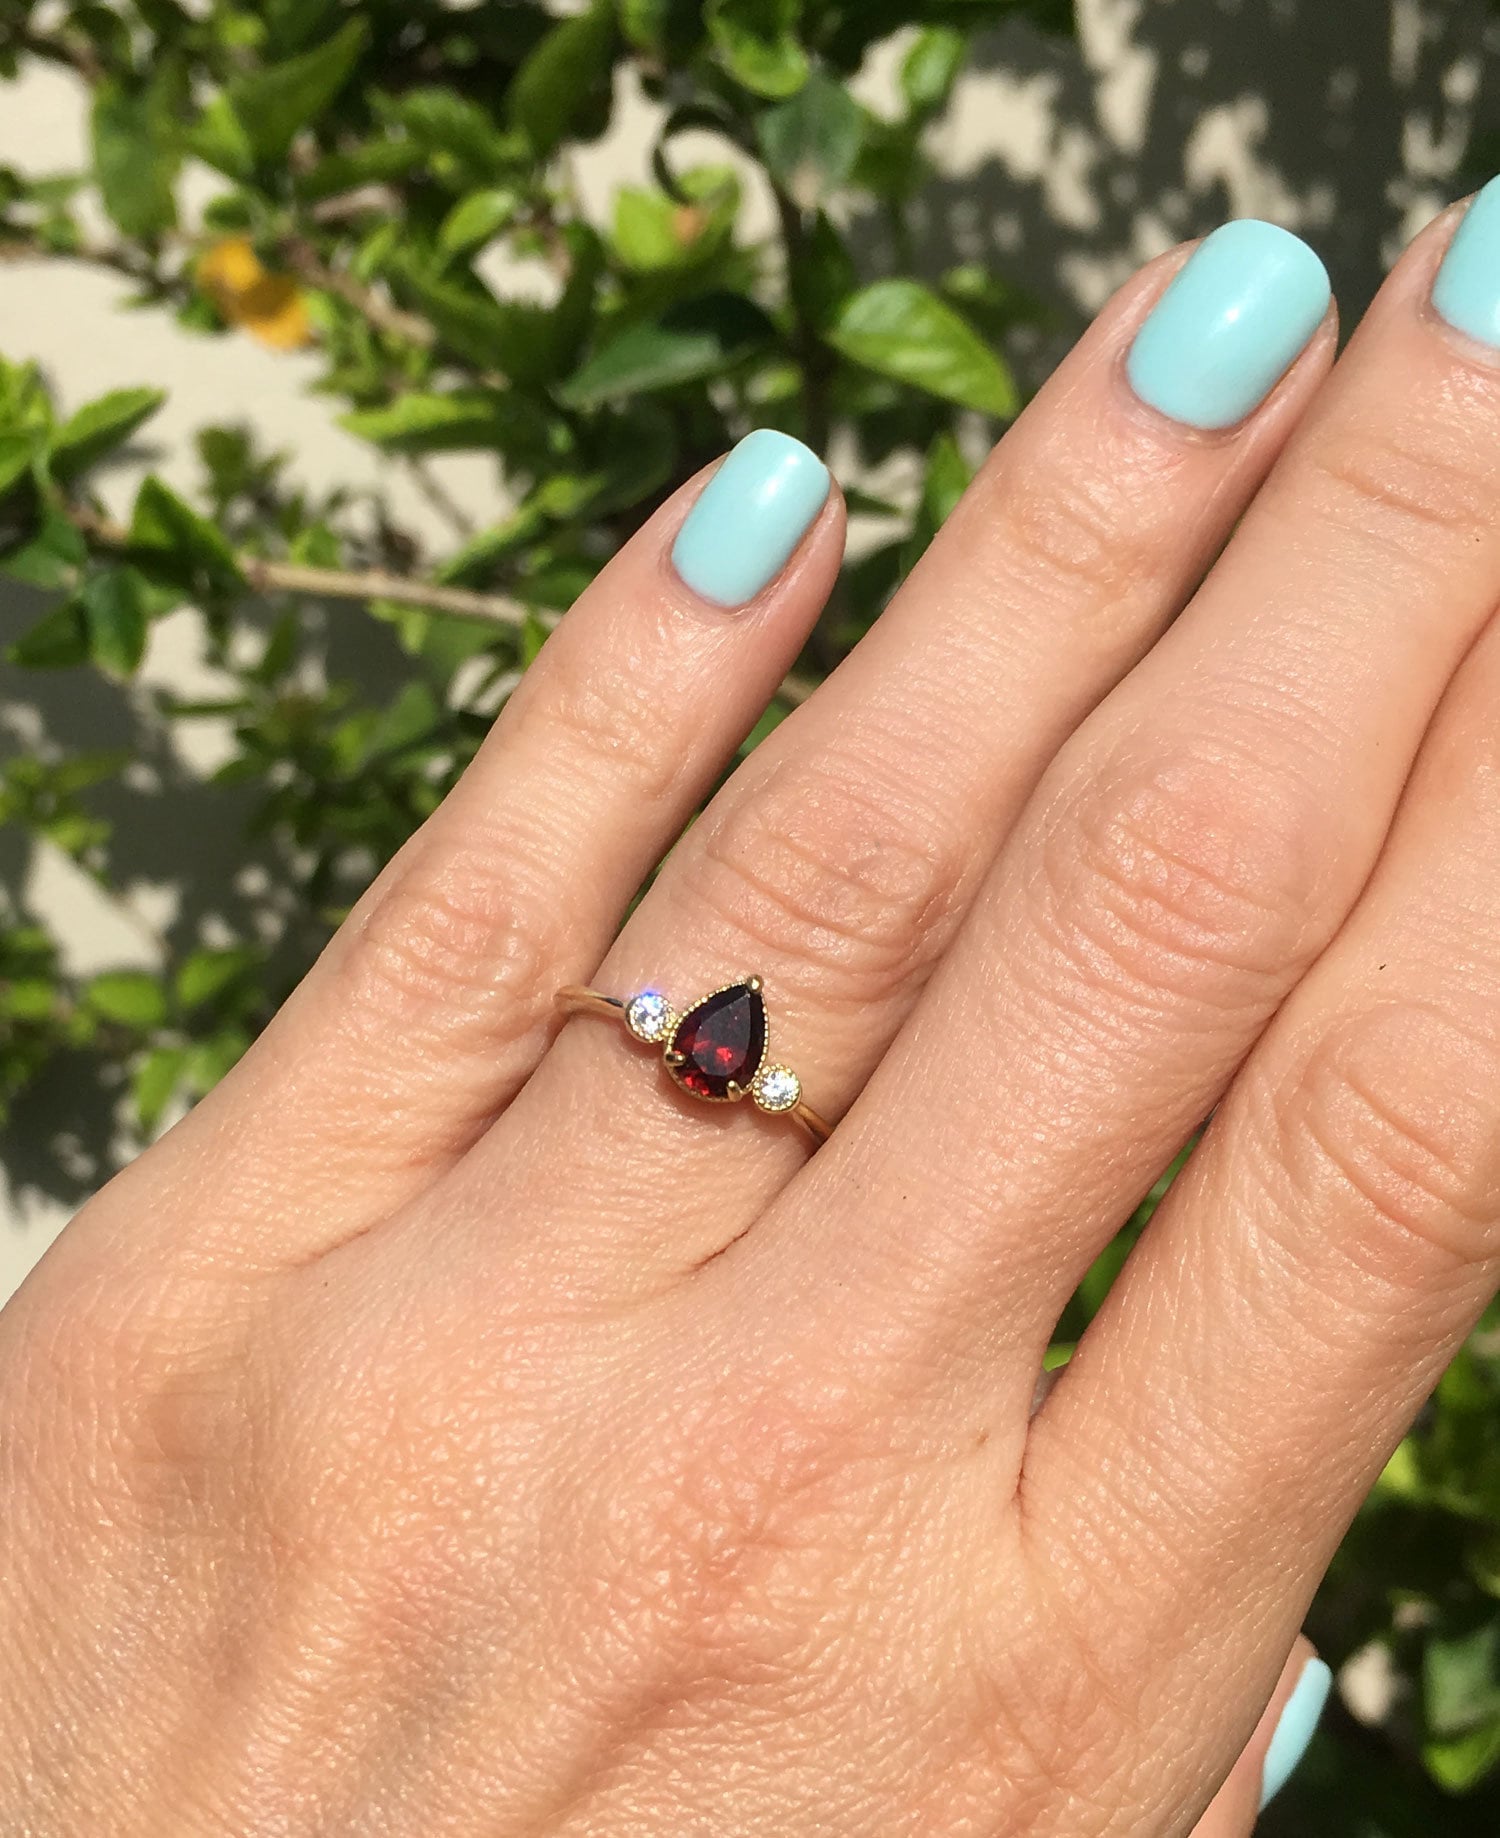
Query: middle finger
[[840, 861], [1193, 850]]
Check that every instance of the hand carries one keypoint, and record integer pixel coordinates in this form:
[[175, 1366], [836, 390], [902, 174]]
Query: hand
[[454, 1429]]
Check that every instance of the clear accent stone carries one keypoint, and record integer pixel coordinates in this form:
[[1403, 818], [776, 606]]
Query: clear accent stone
[[649, 1016], [777, 1089]]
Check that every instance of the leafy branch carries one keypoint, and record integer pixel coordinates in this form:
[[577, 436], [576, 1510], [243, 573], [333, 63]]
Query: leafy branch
[[265, 577]]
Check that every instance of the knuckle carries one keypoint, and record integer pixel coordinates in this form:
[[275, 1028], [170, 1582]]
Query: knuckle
[[1393, 1124], [743, 1512], [1057, 1722], [447, 941], [830, 871], [1401, 486], [146, 1381], [609, 719], [1181, 877], [1068, 528]]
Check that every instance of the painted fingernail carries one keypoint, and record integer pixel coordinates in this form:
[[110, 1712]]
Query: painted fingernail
[[1232, 323], [1299, 1721], [1467, 289], [753, 513]]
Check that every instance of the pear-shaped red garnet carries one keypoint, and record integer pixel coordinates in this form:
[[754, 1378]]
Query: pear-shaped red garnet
[[720, 1043]]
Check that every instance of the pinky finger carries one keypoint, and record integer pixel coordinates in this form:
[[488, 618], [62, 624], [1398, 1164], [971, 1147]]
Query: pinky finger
[[1276, 1749]]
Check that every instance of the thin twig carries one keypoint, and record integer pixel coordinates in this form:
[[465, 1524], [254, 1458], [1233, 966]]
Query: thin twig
[[61, 47], [268, 577], [383, 314], [301, 260], [271, 577], [114, 256]]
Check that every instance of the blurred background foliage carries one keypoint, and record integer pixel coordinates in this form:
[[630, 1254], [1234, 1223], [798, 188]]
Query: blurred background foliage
[[367, 181]]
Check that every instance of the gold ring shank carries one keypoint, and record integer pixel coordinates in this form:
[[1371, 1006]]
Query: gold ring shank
[[575, 999]]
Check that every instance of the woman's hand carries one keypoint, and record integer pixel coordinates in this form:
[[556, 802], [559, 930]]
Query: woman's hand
[[453, 1429]]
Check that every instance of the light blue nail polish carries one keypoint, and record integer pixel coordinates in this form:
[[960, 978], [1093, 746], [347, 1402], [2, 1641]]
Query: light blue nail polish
[[1230, 326], [1467, 289], [754, 511], [1299, 1721]]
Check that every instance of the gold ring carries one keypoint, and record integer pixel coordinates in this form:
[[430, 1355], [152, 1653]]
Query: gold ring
[[718, 1050]]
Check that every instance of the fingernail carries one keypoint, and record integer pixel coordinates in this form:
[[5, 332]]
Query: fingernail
[[1295, 1730], [1230, 326], [753, 513], [1467, 289]]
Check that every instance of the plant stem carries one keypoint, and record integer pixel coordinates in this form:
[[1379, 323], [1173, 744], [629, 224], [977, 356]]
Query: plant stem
[[812, 354], [271, 577], [383, 314], [62, 47], [362, 585]]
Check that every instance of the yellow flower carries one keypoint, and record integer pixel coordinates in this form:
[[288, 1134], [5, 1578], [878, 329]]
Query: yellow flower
[[268, 306]]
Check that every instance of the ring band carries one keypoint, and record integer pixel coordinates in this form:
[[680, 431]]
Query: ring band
[[717, 1050]]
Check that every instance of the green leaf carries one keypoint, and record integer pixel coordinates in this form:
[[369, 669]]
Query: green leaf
[[702, 338], [654, 232], [25, 403], [210, 1060], [273, 105], [155, 1084], [902, 330], [467, 420], [206, 975], [563, 76], [534, 634], [17, 452], [28, 999], [99, 428], [482, 554], [220, 139], [667, 28], [114, 616], [756, 41], [132, 998], [811, 142], [474, 220], [136, 167], [930, 68], [408, 721], [352, 167], [1461, 1764], [1461, 1680], [191, 551], [454, 131], [57, 641], [53, 556], [645, 233], [947, 478], [514, 338]]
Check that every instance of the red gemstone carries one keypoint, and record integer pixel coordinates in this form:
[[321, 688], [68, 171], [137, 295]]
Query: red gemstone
[[722, 1043]]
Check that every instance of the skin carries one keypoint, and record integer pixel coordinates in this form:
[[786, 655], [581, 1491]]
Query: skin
[[450, 1430]]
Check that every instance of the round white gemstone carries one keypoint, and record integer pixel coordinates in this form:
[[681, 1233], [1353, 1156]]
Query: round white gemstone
[[778, 1088], [648, 1016]]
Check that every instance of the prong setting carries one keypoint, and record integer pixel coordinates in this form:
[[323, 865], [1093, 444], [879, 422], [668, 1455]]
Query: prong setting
[[649, 1017], [777, 1089]]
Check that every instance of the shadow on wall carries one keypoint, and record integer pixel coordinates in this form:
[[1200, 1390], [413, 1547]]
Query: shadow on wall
[[1347, 119], [170, 828]]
